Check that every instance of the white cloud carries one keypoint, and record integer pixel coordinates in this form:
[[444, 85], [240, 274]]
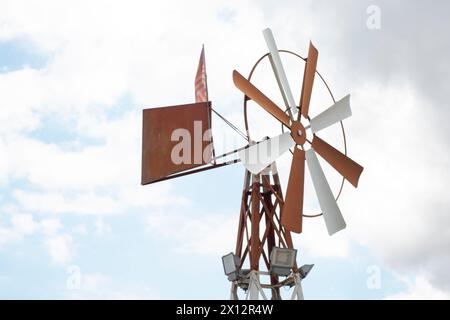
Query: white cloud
[[50, 226], [419, 289], [79, 229], [20, 225], [17, 107], [101, 227], [99, 179], [93, 281], [55, 203], [24, 223], [398, 211], [8, 235], [60, 248], [315, 241], [205, 234], [98, 285]]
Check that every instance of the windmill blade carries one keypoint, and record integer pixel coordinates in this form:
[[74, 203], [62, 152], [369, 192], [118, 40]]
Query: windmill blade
[[258, 156], [253, 93], [308, 79], [331, 213], [343, 164], [337, 112], [292, 214], [278, 70]]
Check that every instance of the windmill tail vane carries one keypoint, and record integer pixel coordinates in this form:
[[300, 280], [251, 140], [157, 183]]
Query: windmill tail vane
[[177, 141]]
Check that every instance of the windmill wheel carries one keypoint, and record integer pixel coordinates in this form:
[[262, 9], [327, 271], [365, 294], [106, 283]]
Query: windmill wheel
[[296, 118]]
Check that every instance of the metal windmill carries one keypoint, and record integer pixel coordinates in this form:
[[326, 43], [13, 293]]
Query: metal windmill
[[264, 245]]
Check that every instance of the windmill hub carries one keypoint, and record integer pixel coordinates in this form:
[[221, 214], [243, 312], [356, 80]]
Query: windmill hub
[[298, 133]]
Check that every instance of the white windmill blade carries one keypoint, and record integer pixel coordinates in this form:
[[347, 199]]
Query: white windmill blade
[[258, 156], [279, 70], [331, 213], [337, 112]]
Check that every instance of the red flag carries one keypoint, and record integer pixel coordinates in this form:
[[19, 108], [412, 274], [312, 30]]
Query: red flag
[[201, 88]]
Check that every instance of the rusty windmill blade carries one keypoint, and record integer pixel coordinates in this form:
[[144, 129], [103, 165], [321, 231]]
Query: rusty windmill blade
[[260, 98], [308, 80], [343, 164], [292, 213]]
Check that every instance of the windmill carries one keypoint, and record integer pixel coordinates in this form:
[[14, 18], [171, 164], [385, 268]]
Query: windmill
[[264, 245]]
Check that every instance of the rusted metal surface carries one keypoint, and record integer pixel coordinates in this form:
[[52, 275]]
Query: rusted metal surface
[[195, 170], [242, 215], [298, 133], [159, 125], [308, 80], [343, 164], [291, 218], [260, 216], [256, 95], [255, 219], [270, 233]]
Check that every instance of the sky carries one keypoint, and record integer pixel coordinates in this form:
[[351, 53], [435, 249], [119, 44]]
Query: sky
[[75, 223]]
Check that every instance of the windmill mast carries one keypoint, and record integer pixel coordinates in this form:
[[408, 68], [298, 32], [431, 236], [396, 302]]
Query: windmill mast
[[260, 211]]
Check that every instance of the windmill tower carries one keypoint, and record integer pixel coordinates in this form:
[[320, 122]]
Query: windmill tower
[[264, 246], [259, 235]]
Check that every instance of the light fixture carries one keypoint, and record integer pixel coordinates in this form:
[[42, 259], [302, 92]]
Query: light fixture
[[305, 269], [282, 260], [231, 264]]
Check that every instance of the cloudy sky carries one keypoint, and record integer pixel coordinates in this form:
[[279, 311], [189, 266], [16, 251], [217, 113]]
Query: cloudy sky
[[75, 76]]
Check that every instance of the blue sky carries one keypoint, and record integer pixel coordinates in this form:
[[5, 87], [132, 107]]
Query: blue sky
[[71, 97]]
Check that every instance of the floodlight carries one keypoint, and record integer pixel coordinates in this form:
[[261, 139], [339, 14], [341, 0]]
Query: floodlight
[[231, 264], [282, 260], [305, 269]]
